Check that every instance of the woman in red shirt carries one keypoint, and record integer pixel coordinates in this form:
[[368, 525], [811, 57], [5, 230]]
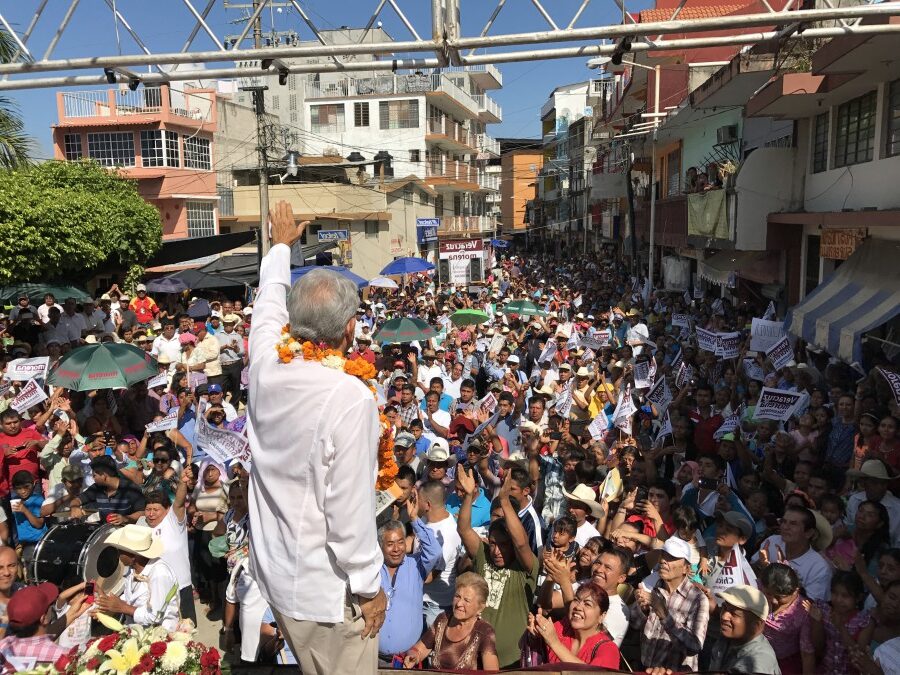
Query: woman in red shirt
[[580, 637]]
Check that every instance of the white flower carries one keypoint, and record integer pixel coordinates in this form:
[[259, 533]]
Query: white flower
[[295, 347], [176, 653], [334, 362]]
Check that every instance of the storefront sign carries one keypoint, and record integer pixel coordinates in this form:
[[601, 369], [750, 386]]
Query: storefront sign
[[461, 249], [840, 244], [426, 229]]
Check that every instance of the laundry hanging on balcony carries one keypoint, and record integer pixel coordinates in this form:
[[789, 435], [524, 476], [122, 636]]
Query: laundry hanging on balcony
[[707, 216]]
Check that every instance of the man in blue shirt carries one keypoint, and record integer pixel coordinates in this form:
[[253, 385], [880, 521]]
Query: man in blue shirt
[[403, 580], [481, 507], [436, 384]]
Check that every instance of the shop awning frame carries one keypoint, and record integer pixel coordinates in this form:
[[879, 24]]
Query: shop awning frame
[[862, 294], [723, 267]]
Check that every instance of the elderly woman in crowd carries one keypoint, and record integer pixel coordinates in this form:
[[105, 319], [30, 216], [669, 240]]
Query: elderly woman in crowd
[[461, 640], [788, 624], [209, 504]]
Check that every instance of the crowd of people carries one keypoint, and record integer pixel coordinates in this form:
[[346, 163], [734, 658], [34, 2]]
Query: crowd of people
[[578, 480]]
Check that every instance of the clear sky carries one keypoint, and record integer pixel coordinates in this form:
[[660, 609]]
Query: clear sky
[[164, 25]]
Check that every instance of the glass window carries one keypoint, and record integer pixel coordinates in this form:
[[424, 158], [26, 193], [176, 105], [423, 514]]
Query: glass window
[[855, 131], [361, 114], [892, 146], [371, 229], [112, 148], [327, 118], [399, 114], [72, 147], [415, 156], [196, 153], [173, 151], [820, 143], [201, 218]]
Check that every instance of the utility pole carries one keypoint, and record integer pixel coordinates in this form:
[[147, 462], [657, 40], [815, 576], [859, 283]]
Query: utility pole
[[653, 174], [259, 104]]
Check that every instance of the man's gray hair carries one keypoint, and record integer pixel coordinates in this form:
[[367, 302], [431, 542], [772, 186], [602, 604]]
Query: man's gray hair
[[390, 526], [319, 306]]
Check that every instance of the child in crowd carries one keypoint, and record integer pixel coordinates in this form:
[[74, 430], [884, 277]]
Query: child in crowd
[[26, 508], [888, 572], [840, 620], [562, 537]]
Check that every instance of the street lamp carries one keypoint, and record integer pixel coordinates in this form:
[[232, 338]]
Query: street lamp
[[599, 61]]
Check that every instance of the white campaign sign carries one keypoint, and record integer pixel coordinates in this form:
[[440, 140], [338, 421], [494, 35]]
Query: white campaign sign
[[564, 402], [220, 444], [706, 340], [764, 334], [160, 380], [597, 341], [754, 370], [20, 370], [642, 375], [31, 394], [681, 320], [170, 421], [597, 428], [730, 344], [660, 395], [731, 423], [548, 353], [893, 379], [776, 404], [781, 353]]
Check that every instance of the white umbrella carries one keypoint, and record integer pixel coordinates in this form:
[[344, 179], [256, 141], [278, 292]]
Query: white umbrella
[[383, 282]]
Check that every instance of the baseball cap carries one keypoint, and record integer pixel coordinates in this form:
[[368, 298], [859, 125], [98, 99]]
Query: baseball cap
[[404, 439], [512, 359], [742, 597], [739, 521], [141, 287], [677, 548], [29, 605], [439, 451], [214, 389]]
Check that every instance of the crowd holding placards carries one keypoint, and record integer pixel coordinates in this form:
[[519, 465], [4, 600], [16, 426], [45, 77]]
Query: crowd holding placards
[[589, 471]]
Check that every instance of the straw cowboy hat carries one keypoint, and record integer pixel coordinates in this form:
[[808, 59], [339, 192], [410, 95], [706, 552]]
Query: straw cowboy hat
[[137, 539], [871, 468], [585, 495]]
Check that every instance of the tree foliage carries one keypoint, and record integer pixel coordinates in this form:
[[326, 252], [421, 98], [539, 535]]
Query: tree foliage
[[15, 144], [62, 220]]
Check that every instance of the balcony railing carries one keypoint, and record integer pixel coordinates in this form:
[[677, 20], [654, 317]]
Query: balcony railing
[[452, 130], [143, 101], [487, 143], [486, 69], [451, 170], [389, 85], [489, 181], [458, 224], [488, 107]]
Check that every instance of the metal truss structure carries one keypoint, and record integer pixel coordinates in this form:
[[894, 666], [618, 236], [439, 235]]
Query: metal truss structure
[[446, 45]]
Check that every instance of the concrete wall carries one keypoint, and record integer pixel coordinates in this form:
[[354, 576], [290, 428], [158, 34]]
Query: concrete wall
[[699, 137], [235, 138], [516, 185], [764, 184], [310, 198]]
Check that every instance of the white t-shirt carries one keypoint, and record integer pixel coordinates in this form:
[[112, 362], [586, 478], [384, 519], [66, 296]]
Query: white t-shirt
[[441, 589], [175, 546], [55, 494], [442, 417], [616, 621], [887, 655], [584, 532], [813, 570]]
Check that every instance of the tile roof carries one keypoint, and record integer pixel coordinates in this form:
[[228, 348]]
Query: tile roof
[[688, 12]]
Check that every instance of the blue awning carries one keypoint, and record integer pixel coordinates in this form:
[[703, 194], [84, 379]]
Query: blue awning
[[862, 294]]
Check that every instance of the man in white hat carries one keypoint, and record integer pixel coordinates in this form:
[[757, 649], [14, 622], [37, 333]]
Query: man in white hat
[[149, 596], [314, 433], [743, 648], [874, 480], [582, 503], [674, 614], [232, 357]]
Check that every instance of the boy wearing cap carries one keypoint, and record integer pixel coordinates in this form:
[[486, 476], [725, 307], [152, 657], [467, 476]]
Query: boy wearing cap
[[28, 614], [743, 648]]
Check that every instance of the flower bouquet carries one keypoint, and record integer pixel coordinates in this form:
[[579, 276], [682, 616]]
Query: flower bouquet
[[137, 650]]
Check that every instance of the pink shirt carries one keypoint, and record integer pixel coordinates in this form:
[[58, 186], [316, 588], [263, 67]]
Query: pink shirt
[[788, 631]]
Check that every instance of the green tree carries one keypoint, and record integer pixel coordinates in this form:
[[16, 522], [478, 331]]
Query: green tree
[[15, 144], [63, 220]]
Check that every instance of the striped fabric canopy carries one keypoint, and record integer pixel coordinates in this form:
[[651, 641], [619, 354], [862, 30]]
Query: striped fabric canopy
[[862, 294]]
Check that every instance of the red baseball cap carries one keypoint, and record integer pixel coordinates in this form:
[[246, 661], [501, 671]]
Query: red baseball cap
[[28, 605], [199, 325]]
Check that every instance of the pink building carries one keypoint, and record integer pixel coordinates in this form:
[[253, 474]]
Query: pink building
[[160, 136]]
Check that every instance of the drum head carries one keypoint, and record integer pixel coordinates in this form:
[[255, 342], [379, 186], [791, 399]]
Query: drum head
[[101, 562], [57, 555]]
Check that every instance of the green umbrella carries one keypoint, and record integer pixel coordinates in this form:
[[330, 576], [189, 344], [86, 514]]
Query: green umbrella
[[404, 329], [37, 291], [468, 317], [523, 307], [107, 365]]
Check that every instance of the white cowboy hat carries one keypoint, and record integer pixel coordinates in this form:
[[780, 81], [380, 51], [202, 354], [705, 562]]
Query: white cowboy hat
[[871, 468], [585, 495], [137, 539]]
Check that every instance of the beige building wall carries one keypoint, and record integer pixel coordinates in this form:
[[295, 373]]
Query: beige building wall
[[518, 174]]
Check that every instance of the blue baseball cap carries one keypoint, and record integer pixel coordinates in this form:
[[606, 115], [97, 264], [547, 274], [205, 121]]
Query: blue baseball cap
[[214, 389]]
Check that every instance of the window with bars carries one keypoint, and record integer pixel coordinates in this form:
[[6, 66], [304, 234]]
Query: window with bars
[[112, 148], [855, 131], [361, 114], [196, 153], [72, 147], [415, 156], [673, 173], [326, 118], [371, 229], [820, 143], [201, 218], [892, 143], [292, 102], [159, 148], [399, 114]]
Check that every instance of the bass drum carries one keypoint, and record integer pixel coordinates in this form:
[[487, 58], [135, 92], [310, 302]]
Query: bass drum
[[73, 552]]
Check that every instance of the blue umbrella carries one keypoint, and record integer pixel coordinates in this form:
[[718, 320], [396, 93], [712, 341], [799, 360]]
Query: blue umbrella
[[166, 285], [407, 266], [499, 243], [298, 272]]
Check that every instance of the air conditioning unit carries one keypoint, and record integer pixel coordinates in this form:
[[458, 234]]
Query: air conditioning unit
[[726, 134]]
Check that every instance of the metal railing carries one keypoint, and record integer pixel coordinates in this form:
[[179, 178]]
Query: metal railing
[[389, 85], [487, 143], [480, 68], [451, 170], [488, 105], [122, 102], [143, 101], [466, 224], [489, 181], [86, 103], [450, 129]]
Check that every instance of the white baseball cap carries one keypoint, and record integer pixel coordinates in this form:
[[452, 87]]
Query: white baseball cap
[[677, 548]]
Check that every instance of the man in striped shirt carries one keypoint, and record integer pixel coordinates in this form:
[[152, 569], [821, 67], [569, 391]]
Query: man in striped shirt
[[118, 500]]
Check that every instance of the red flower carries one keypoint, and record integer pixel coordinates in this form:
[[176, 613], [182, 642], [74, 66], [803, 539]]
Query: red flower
[[108, 642], [209, 658], [157, 649], [147, 662], [92, 664], [62, 663]]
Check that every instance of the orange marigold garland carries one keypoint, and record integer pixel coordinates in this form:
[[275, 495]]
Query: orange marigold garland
[[288, 348]]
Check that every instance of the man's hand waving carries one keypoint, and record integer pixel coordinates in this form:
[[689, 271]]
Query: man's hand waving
[[285, 229]]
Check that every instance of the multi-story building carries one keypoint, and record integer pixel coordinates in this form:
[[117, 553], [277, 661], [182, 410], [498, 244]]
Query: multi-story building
[[160, 136], [521, 161]]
